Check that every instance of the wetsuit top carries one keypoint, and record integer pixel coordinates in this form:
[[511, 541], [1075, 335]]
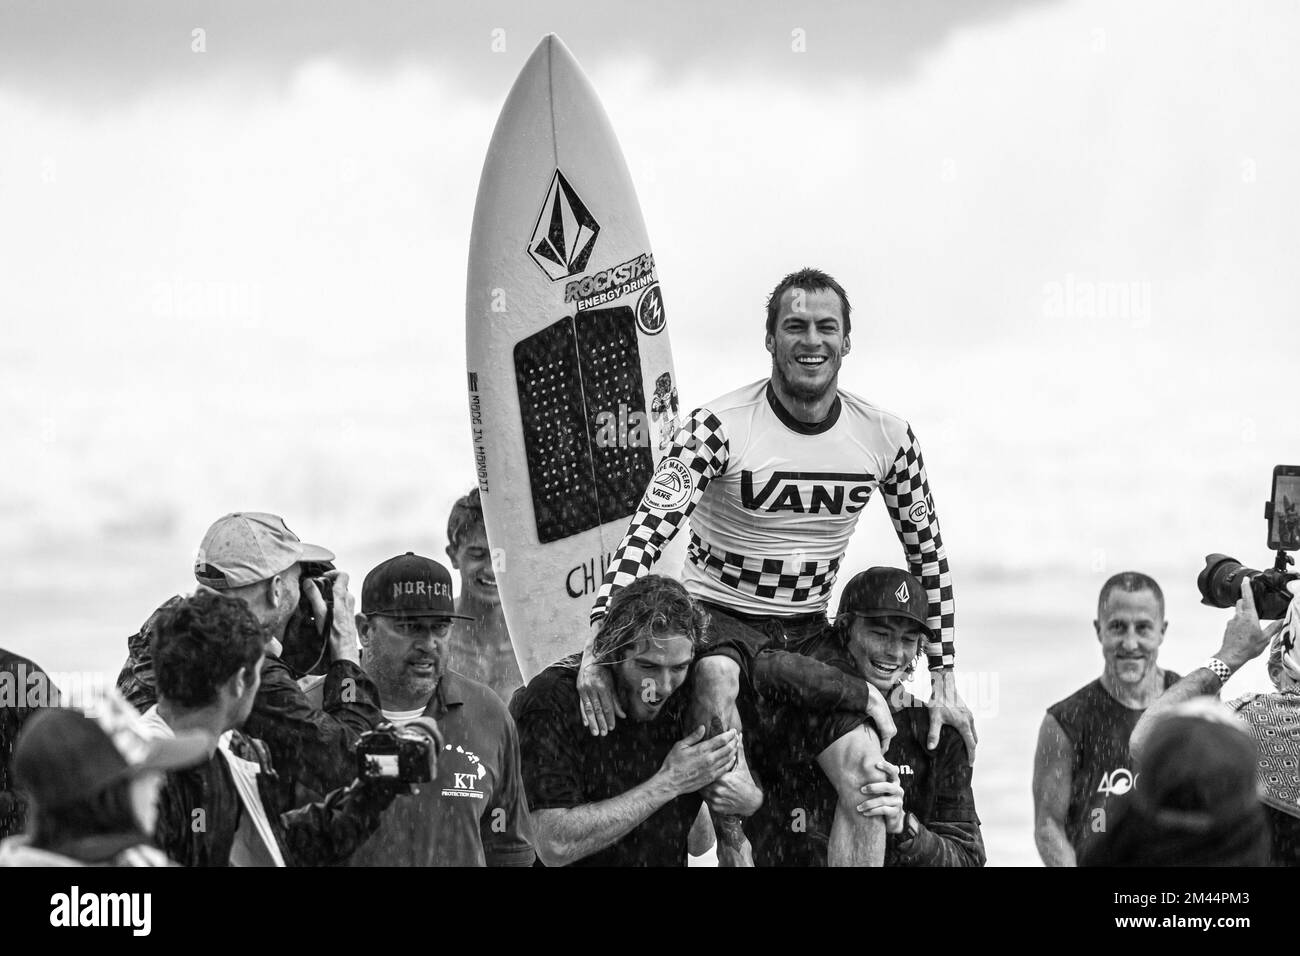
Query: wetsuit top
[[1102, 773]]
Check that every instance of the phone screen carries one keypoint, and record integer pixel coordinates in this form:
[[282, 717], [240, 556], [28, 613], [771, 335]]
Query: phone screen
[[1284, 529]]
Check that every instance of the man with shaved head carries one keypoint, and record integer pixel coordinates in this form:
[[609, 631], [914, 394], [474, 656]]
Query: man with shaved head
[[1082, 767]]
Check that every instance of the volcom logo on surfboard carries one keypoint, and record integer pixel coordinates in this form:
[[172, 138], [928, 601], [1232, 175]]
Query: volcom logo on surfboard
[[565, 233]]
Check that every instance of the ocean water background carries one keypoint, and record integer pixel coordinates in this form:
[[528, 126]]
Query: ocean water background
[[235, 280]]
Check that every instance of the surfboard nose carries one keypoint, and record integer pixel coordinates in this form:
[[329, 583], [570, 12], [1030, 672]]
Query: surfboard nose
[[553, 56]]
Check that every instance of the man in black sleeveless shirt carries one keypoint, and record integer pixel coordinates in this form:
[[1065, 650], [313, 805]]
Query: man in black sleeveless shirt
[[1082, 767]]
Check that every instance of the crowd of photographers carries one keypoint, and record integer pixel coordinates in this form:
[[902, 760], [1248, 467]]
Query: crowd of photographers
[[269, 719]]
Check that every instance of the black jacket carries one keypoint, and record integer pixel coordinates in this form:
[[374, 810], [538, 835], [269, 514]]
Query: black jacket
[[313, 748], [199, 812], [937, 788], [136, 681], [24, 688]]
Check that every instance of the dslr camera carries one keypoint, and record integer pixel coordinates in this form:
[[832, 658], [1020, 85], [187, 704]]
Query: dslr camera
[[1220, 580], [306, 639], [399, 755]]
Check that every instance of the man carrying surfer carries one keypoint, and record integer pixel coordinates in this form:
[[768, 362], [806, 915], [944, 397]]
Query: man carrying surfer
[[773, 477], [810, 807], [628, 798]]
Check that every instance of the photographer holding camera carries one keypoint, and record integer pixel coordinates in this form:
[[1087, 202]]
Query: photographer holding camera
[[256, 558], [1271, 718], [208, 653], [474, 812]]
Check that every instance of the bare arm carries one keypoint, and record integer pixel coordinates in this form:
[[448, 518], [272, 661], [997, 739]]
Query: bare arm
[[1243, 641], [1053, 775], [1201, 682], [564, 835], [850, 764]]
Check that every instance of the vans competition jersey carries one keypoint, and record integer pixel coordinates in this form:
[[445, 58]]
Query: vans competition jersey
[[773, 501]]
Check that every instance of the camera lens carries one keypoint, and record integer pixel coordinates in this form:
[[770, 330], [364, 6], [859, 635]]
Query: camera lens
[[1220, 580]]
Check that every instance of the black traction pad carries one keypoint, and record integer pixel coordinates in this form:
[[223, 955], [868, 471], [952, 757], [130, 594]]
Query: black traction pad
[[567, 375]]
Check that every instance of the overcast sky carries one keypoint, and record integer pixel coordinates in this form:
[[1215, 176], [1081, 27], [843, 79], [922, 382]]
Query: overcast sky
[[95, 54]]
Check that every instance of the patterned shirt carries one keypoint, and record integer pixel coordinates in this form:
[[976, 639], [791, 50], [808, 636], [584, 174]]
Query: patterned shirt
[[773, 502]]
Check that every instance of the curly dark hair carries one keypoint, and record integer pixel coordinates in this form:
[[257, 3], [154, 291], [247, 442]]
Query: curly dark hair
[[810, 280], [651, 606], [200, 642]]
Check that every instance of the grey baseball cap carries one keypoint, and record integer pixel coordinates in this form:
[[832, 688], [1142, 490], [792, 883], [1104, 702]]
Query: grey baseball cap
[[250, 546]]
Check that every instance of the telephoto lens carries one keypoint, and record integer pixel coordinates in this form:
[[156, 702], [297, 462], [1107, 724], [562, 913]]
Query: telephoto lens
[[1220, 580], [1220, 585]]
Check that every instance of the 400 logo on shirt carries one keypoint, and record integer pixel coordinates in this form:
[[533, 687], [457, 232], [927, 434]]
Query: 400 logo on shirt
[[1118, 782], [465, 770]]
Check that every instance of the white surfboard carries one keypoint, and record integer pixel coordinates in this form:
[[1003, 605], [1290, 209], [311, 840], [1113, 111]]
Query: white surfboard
[[572, 390]]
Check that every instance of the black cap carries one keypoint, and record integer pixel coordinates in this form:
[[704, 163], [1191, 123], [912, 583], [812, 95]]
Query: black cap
[[886, 592], [409, 586]]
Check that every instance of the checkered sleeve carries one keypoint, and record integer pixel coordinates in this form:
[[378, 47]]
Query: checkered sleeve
[[700, 445], [911, 507]]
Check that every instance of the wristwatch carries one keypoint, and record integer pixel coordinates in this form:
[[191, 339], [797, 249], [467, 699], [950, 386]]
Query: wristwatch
[[911, 827]]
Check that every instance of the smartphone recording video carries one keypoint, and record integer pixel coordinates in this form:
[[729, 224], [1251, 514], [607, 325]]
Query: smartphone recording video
[[1284, 525]]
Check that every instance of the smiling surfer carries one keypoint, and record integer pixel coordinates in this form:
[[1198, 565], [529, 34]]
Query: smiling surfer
[[807, 756], [480, 645], [773, 477]]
